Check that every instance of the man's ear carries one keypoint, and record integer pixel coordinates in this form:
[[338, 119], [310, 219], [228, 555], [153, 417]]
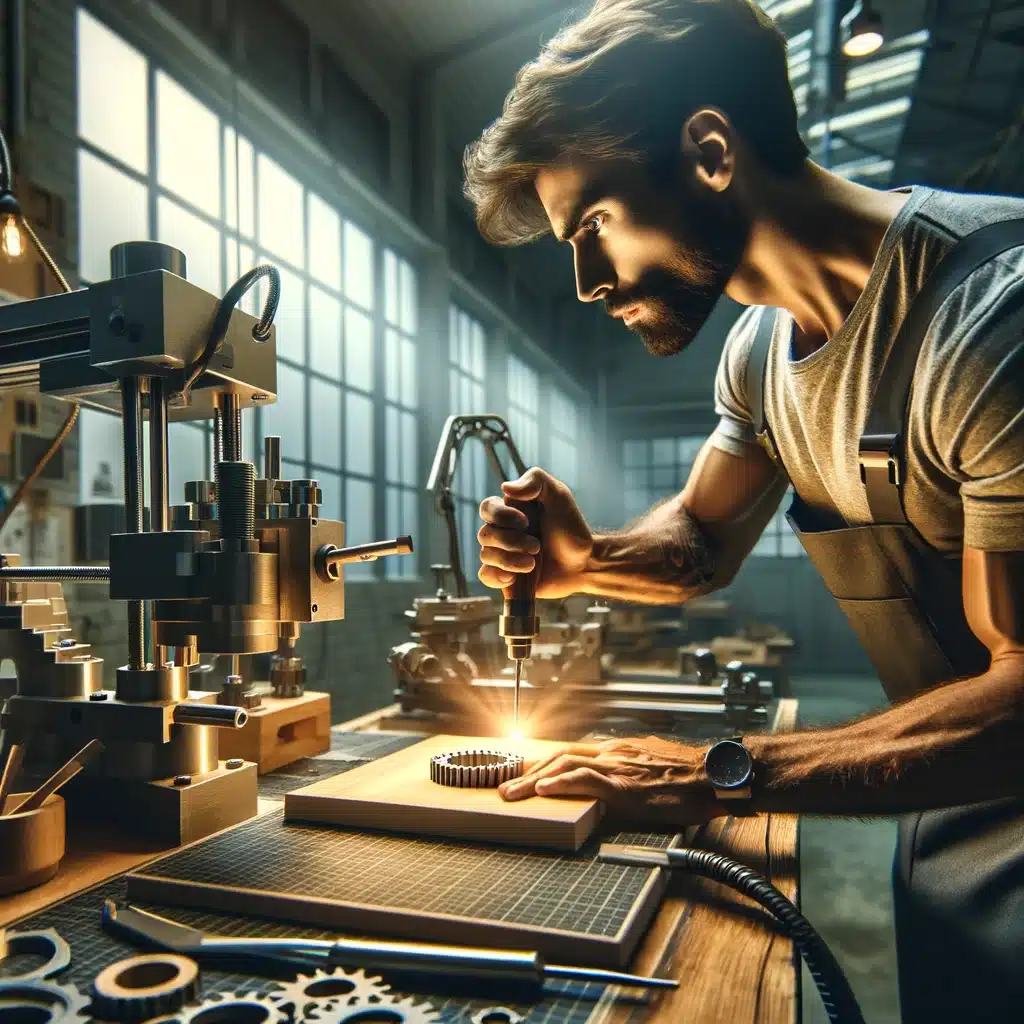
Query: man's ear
[[708, 146]]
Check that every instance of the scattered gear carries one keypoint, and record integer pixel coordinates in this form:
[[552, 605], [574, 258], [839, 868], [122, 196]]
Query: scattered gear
[[337, 987], [63, 1003], [477, 769], [146, 986], [389, 1011], [497, 1015], [45, 943], [229, 1008]]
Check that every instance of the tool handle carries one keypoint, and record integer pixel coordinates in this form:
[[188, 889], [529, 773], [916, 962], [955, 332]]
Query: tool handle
[[450, 961], [10, 772], [59, 777], [524, 586]]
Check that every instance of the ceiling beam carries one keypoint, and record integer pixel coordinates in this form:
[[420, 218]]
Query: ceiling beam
[[507, 26]]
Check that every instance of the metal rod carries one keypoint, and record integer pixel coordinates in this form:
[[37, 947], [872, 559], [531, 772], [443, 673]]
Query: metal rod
[[131, 426], [218, 439], [272, 458], [159, 474], [57, 573], [369, 552], [225, 716], [231, 429]]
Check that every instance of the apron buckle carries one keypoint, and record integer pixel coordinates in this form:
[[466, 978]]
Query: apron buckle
[[880, 452]]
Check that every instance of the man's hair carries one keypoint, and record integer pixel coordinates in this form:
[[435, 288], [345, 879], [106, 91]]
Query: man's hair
[[618, 85]]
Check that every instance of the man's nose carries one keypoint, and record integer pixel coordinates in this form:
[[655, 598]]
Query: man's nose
[[594, 275]]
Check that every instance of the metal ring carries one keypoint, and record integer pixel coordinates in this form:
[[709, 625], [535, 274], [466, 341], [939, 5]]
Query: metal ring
[[497, 1015], [46, 943], [141, 987], [475, 769]]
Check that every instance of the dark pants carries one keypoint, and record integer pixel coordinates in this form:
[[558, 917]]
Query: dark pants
[[958, 903]]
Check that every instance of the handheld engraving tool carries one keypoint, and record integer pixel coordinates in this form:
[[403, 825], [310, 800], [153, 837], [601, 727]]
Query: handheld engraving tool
[[518, 623]]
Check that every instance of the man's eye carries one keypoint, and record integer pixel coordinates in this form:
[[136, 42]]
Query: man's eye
[[593, 223]]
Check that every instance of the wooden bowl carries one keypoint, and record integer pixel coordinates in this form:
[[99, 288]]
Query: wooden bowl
[[31, 844]]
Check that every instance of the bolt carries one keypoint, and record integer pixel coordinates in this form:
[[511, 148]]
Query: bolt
[[117, 322], [183, 780], [260, 396], [234, 762], [99, 695]]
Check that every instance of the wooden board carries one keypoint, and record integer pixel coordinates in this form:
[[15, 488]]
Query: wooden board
[[396, 794], [281, 731]]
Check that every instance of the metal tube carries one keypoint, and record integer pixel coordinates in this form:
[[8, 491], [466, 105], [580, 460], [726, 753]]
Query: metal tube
[[57, 573], [222, 715], [231, 428], [330, 557], [131, 426], [272, 458], [159, 474]]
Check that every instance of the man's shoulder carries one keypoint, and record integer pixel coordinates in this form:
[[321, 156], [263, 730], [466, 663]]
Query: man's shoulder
[[960, 213]]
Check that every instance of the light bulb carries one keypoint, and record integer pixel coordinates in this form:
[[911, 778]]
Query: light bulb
[[12, 245]]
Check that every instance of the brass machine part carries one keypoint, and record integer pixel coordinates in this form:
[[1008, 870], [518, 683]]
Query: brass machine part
[[475, 769], [141, 987], [287, 668]]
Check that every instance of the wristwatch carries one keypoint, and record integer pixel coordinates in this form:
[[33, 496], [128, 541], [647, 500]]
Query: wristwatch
[[730, 769]]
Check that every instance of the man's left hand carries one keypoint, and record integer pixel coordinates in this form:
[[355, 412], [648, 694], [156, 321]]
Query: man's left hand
[[637, 778]]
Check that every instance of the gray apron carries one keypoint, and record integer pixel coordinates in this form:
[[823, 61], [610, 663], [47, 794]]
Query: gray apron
[[958, 878]]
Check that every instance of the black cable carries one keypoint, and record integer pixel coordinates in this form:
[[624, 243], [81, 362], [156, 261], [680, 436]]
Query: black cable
[[840, 1002], [261, 332]]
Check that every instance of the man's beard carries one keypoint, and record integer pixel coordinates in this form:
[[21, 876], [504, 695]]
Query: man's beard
[[678, 299]]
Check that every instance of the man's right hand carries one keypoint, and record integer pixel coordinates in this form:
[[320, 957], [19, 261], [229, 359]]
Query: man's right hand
[[506, 548]]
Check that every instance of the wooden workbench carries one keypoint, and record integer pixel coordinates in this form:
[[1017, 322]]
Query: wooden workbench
[[733, 965]]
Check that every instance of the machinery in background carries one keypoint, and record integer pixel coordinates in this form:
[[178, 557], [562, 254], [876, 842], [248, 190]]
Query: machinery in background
[[227, 572], [454, 670]]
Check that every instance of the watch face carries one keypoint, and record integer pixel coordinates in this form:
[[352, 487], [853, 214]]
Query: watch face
[[728, 765]]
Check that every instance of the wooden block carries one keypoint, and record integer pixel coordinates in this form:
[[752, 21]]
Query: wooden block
[[280, 731], [396, 794]]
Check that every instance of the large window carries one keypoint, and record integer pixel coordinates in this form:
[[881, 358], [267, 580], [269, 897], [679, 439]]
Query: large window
[[228, 205], [563, 459], [656, 469], [467, 346], [523, 408]]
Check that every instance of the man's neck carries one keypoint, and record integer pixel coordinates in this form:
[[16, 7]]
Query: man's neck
[[814, 240]]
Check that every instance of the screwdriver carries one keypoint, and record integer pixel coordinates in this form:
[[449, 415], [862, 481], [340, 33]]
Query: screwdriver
[[518, 623]]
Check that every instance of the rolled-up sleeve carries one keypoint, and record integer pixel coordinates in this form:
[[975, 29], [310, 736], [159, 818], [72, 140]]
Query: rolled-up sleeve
[[735, 430]]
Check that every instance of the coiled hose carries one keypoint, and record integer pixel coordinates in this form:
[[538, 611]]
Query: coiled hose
[[840, 1002]]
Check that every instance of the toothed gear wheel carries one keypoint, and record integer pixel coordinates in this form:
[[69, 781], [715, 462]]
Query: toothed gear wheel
[[230, 1008], [389, 1011], [64, 1003], [337, 987]]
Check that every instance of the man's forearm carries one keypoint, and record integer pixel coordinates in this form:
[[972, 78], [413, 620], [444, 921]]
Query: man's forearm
[[663, 558], [959, 743]]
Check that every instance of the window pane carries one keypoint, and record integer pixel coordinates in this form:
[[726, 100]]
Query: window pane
[[191, 170], [101, 473], [239, 260], [358, 523], [358, 350], [409, 449], [286, 417], [634, 453], [392, 366], [358, 266], [240, 182], [291, 317], [292, 470], [408, 349], [280, 212], [400, 505], [478, 351], [390, 286], [198, 240], [330, 484], [186, 445], [791, 546], [408, 292], [358, 434], [324, 333], [663, 452], [324, 243], [113, 109], [112, 208], [392, 444], [325, 436]]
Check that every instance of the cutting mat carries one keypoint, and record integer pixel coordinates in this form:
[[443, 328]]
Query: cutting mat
[[570, 907], [395, 793]]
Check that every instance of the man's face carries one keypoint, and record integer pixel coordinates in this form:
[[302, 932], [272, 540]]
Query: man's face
[[659, 254]]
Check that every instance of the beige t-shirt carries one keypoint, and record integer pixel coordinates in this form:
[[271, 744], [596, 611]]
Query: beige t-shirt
[[965, 422]]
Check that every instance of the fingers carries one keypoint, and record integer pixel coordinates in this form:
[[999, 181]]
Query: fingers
[[493, 510], [532, 484], [497, 579], [507, 540], [507, 561], [579, 782], [560, 764]]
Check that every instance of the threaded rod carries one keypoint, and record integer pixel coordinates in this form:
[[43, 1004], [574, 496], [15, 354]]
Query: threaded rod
[[131, 427], [236, 500]]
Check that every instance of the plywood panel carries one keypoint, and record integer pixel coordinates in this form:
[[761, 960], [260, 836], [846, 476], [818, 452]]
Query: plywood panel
[[396, 794]]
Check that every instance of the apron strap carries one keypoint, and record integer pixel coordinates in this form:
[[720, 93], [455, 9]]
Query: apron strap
[[757, 364], [882, 465]]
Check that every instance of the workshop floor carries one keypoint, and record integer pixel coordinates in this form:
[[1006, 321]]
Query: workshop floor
[[845, 870]]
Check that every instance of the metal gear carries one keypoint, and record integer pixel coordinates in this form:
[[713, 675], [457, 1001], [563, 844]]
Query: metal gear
[[230, 1008], [46, 943], [337, 987], [64, 1003], [476, 769], [143, 987], [388, 1011], [497, 1015]]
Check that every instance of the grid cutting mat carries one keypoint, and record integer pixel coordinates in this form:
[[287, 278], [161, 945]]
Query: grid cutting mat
[[458, 892]]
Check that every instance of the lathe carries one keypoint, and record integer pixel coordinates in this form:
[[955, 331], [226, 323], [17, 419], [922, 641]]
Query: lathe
[[232, 570]]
